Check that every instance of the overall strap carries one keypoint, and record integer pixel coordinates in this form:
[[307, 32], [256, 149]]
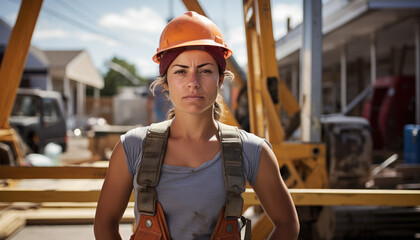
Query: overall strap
[[154, 147], [232, 169]]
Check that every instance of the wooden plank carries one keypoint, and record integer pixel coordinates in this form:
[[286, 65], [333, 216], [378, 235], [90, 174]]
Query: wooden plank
[[10, 222], [301, 197], [69, 216], [76, 172], [37, 195], [15, 56], [347, 197]]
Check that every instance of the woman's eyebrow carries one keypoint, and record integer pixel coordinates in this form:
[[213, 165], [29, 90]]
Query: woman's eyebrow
[[204, 64], [179, 65], [185, 66]]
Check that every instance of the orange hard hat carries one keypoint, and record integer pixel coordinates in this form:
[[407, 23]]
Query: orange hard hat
[[190, 29]]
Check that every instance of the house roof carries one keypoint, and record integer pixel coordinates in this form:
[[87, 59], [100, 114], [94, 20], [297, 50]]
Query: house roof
[[345, 21], [59, 58], [75, 65]]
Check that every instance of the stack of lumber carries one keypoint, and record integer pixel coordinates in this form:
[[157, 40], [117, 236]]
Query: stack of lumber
[[401, 176]]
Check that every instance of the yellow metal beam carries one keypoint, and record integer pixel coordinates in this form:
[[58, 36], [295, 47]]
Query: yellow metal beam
[[255, 98], [301, 197], [15, 56]]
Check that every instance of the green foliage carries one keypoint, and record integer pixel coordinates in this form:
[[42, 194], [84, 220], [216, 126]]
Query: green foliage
[[113, 80]]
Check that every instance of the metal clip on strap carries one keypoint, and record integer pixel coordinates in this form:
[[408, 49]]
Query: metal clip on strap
[[154, 146], [247, 224], [232, 169]]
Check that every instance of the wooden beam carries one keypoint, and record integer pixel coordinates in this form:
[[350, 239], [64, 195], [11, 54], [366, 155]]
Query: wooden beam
[[52, 172], [10, 222], [301, 197], [346, 197], [69, 216], [15, 56], [37, 195]]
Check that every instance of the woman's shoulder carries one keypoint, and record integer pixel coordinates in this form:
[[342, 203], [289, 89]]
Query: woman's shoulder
[[135, 134], [250, 138], [132, 142]]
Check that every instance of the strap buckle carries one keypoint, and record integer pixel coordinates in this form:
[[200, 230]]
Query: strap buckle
[[146, 201], [234, 205]]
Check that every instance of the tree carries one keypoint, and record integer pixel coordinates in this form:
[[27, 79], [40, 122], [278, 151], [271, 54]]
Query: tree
[[113, 79]]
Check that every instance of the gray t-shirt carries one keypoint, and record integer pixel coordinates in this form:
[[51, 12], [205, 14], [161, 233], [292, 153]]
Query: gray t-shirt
[[191, 197]]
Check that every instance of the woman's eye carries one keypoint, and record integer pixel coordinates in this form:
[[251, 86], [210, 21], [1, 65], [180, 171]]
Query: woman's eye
[[206, 71], [181, 71]]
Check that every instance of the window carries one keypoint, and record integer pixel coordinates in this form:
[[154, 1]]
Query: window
[[28, 106], [50, 111]]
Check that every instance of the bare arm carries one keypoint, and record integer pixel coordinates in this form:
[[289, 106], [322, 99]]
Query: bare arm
[[114, 196], [275, 198]]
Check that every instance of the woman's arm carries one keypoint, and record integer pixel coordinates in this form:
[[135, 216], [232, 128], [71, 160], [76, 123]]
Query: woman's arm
[[275, 198], [114, 196]]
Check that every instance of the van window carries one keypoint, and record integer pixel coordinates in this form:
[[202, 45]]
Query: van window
[[27, 106], [50, 111]]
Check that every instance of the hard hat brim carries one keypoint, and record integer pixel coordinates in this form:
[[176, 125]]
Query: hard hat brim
[[200, 42]]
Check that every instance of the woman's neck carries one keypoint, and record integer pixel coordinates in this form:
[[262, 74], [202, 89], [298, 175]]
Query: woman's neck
[[193, 127]]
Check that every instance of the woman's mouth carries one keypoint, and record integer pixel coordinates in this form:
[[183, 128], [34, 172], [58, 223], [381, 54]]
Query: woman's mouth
[[193, 97]]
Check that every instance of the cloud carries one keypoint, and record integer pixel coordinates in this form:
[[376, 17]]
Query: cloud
[[237, 43], [280, 14], [58, 33], [90, 37], [146, 67], [151, 41], [236, 37], [241, 57], [11, 18], [46, 34], [145, 20]]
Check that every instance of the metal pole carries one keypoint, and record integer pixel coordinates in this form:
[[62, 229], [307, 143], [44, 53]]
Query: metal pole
[[295, 80], [311, 71], [417, 67], [81, 92], [372, 58], [69, 99], [343, 63]]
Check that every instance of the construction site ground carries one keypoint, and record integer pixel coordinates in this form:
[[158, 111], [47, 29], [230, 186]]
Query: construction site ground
[[59, 220]]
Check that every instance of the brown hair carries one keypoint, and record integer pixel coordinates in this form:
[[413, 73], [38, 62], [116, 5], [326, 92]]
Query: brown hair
[[218, 108]]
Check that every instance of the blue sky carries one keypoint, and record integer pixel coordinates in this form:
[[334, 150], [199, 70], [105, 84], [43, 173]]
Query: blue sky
[[130, 29]]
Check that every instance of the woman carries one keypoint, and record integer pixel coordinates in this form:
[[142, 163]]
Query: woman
[[191, 187]]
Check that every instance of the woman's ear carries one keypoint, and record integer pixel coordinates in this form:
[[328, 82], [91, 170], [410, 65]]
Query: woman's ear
[[165, 87], [221, 79]]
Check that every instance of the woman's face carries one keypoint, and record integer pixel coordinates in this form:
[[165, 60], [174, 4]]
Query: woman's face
[[193, 82]]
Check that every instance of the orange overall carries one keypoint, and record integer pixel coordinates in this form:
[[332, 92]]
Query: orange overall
[[152, 223]]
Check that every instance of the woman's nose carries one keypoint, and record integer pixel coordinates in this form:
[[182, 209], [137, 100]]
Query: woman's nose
[[193, 81]]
